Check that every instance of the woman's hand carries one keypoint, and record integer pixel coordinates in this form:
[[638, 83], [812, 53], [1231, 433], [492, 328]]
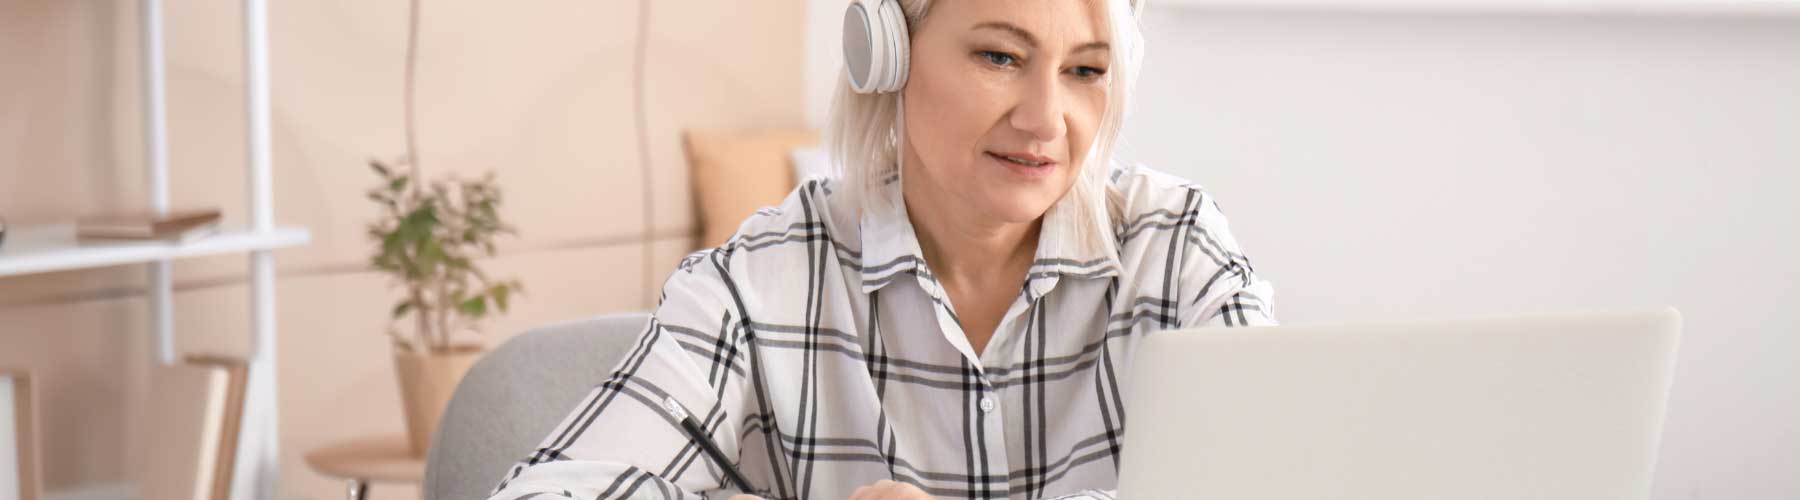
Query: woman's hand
[[881, 490], [890, 490]]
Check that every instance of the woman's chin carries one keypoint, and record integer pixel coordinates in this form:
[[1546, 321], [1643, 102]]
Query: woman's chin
[[1020, 209], [1023, 203]]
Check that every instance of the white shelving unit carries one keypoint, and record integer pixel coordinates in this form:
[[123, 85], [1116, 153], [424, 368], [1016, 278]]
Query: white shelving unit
[[30, 250], [51, 248]]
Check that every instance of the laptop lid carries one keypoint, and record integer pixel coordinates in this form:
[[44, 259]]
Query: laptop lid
[[1543, 407]]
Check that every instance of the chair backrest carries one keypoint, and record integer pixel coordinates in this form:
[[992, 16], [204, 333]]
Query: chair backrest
[[511, 399]]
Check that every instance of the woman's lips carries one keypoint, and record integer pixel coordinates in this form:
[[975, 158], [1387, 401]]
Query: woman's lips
[[1029, 171], [1023, 155]]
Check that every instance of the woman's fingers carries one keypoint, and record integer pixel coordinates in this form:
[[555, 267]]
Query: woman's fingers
[[889, 490]]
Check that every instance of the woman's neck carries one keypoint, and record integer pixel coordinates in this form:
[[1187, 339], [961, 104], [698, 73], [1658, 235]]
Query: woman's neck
[[980, 262], [963, 245]]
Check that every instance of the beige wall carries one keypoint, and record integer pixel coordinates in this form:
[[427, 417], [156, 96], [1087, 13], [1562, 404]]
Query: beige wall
[[539, 91]]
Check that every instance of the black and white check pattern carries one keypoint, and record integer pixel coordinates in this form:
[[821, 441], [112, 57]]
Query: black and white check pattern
[[817, 348]]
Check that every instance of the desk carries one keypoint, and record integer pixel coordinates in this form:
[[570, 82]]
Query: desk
[[369, 459]]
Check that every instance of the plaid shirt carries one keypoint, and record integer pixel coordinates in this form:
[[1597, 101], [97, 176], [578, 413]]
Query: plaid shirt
[[818, 349]]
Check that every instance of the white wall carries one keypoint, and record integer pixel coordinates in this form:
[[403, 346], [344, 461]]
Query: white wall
[[1384, 165], [1395, 161], [823, 57]]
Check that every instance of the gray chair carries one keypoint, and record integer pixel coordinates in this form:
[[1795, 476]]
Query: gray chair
[[514, 397]]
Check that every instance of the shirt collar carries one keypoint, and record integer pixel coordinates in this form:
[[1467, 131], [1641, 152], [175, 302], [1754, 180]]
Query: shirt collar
[[890, 248]]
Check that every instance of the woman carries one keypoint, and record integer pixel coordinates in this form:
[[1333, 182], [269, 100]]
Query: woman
[[953, 317]]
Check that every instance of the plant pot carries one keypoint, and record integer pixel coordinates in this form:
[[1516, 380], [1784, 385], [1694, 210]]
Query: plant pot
[[426, 383]]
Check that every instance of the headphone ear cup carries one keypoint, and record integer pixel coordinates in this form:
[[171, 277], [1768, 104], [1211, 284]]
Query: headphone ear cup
[[883, 74], [900, 58], [876, 46], [865, 47]]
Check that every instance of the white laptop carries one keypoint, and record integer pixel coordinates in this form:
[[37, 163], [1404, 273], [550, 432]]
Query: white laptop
[[1548, 407]]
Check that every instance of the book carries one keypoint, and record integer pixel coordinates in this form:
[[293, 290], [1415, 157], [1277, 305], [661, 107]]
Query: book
[[195, 412], [175, 225], [19, 458], [237, 373]]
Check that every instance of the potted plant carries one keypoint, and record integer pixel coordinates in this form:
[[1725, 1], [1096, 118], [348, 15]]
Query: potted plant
[[428, 240]]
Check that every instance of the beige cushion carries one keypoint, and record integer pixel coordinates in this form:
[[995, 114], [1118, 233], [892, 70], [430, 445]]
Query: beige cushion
[[737, 172]]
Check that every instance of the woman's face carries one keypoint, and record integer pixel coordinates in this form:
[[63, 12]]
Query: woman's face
[[1002, 102]]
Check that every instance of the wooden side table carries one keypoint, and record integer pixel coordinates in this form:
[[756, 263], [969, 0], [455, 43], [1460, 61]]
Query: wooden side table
[[361, 461]]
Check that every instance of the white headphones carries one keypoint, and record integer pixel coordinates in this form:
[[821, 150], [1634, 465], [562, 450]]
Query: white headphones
[[876, 45]]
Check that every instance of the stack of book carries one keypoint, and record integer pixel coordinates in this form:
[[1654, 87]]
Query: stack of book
[[174, 226]]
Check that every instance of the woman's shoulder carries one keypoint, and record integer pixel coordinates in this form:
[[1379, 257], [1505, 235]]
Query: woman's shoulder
[[776, 238], [1161, 213], [1176, 245], [1142, 192], [814, 211]]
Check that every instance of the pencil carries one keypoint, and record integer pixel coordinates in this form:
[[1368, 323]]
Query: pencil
[[697, 435]]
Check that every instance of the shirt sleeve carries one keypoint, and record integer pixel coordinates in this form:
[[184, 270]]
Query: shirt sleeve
[[620, 442], [1219, 286]]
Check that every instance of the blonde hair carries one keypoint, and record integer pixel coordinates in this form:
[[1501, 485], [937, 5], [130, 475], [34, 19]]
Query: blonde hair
[[865, 132]]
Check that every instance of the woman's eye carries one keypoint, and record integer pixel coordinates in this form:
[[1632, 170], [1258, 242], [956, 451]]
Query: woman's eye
[[1089, 72], [997, 58]]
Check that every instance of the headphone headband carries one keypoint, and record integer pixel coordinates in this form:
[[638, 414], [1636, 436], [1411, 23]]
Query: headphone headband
[[877, 48]]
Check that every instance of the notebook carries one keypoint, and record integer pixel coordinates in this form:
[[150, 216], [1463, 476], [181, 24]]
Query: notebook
[[178, 225]]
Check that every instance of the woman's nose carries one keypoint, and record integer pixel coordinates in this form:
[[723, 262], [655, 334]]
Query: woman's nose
[[1039, 110]]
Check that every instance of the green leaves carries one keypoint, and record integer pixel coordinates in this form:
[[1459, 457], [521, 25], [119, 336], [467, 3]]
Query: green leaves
[[501, 292], [429, 238], [475, 306]]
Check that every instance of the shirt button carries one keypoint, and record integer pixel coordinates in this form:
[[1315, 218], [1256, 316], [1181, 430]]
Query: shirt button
[[987, 405]]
